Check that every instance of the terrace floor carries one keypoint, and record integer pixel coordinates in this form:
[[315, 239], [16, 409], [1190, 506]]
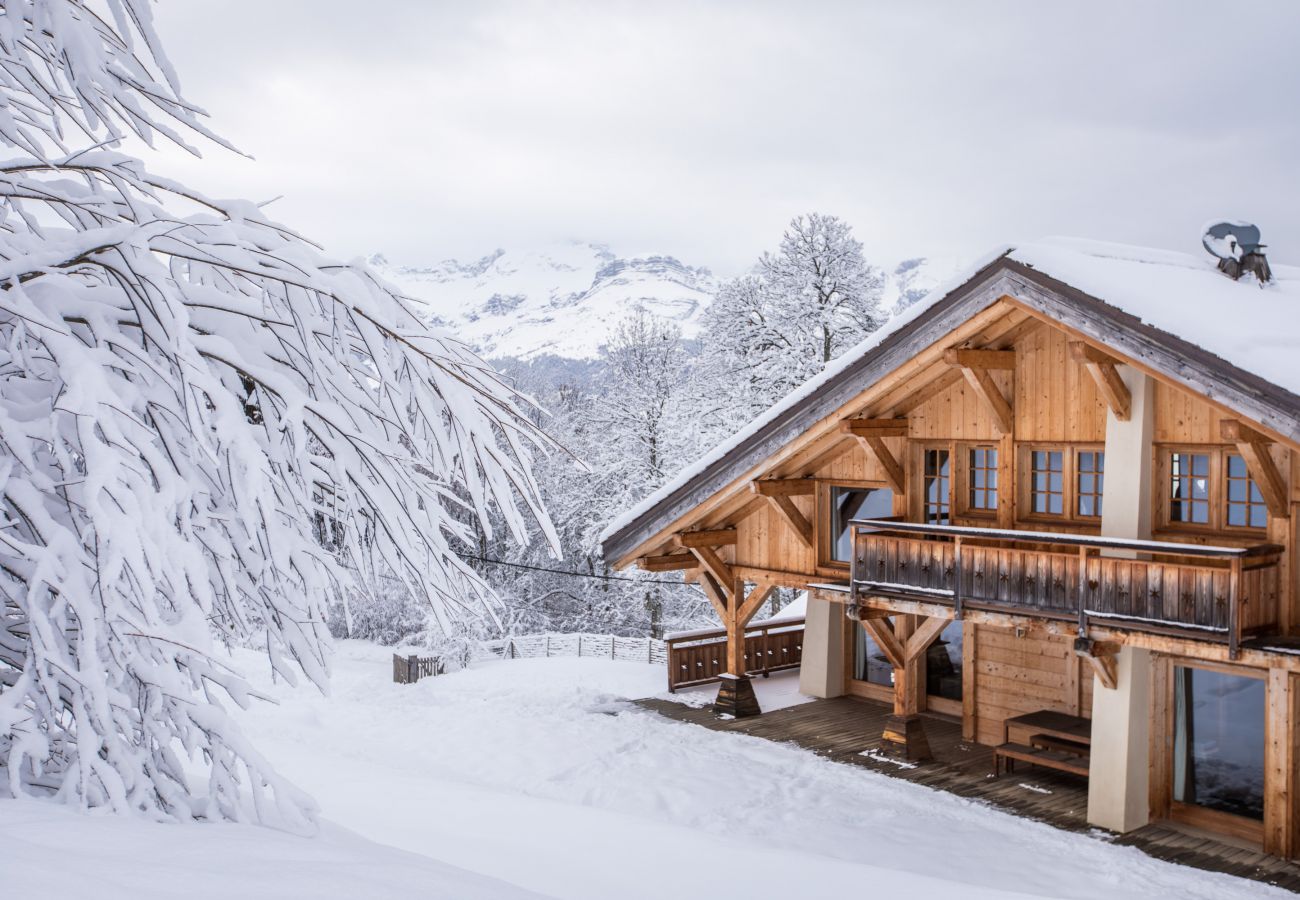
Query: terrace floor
[[847, 730]]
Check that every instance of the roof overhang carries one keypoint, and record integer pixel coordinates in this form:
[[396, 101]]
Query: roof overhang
[[1272, 408]]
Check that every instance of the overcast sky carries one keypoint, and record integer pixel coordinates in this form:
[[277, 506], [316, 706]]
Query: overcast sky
[[429, 130]]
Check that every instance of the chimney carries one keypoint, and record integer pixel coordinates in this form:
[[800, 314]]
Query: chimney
[[1237, 246]]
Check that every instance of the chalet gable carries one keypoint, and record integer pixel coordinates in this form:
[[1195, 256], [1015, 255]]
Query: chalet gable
[[953, 336]]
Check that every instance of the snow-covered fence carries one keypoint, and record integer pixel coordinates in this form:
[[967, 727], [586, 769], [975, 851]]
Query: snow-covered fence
[[527, 646], [410, 669]]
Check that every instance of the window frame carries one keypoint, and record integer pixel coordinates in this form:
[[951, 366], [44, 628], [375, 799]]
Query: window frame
[[963, 482], [1024, 477], [1163, 765], [1218, 491], [925, 449], [825, 515]]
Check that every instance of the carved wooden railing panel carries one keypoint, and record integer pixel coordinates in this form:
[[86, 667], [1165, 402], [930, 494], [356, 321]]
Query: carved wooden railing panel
[[698, 657], [1216, 593]]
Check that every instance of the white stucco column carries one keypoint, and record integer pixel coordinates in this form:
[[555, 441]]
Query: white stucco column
[[821, 673], [1118, 789], [1126, 504]]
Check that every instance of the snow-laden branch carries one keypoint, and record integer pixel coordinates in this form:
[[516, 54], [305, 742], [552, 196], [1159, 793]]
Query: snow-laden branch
[[193, 399]]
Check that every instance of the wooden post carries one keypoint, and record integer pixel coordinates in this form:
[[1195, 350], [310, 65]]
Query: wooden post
[[735, 694], [1083, 590], [1234, 614], [956, 587], [1280, 765]]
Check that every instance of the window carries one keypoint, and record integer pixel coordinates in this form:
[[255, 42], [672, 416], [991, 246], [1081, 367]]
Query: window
[[937, 487], [943, 663], [1189, 486], [1246, 508], [1219, 741], [1209, 489], [849, 503], [869, 661], [1047, 482], [983, 479], [1091, 472], [1064, 483]]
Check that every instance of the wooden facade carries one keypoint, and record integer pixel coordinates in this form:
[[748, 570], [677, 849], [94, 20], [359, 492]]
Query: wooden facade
[[1014, 465]]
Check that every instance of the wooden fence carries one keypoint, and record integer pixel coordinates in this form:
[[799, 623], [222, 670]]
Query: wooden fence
[[410, 669], [699, 657]]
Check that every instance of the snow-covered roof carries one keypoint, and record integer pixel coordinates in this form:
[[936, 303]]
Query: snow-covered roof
[[1254, 328]]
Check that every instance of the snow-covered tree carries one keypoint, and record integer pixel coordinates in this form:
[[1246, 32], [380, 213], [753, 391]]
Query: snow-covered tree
[[769, 331], [626, 420], [827, 294], [190, 396]]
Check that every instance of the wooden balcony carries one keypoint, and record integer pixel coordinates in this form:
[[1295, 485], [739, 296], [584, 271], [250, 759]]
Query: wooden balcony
[[1220, 594], [699, 657]]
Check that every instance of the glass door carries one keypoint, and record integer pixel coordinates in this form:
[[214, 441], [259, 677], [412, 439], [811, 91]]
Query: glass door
[[1218, 749]]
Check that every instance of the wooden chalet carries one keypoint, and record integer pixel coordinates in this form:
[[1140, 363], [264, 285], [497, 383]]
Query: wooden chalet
[[1054, 503]]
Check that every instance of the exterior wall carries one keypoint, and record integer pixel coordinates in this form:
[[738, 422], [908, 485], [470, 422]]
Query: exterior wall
[[1056, 399], [1016, 675]]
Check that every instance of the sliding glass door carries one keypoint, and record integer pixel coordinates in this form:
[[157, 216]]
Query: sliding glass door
[[1218, 742]]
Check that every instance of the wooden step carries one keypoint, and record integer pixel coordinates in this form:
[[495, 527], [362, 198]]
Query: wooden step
[[1048, 759]]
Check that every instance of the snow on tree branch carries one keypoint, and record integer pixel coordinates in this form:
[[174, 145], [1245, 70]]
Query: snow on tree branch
[[192, 397]]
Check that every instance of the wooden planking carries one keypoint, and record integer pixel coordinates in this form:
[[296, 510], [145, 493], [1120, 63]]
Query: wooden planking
[[1056, 400], [1183, 418], [1015, 675]]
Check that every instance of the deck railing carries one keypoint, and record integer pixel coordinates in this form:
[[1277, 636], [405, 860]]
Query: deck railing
[[1211, 593], [698, 657]]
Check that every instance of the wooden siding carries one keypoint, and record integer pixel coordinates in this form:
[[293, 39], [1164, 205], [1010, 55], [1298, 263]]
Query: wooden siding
[[1056, 400], [1016, 675]]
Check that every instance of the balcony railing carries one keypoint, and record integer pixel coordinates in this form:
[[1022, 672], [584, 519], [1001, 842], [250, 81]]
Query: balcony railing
[[1210, 593]]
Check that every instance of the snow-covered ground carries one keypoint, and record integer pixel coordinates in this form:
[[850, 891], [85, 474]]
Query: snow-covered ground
[[540, 774]]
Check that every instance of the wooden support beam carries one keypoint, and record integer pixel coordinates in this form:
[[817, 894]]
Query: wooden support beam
[[757, 597], [968, 358], [794, 518], [883, 634], [877, 428], [1101, 656], [718, 537], [982, 382], [717, 596], [1102, 369], [783, 487], [926, 631], [1280, 768], [1253, 448], [671, 562], [1104, 668], [894, 472], [714, 566]]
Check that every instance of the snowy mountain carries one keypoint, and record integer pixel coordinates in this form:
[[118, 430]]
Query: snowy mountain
[[566, 299], [563, 300]]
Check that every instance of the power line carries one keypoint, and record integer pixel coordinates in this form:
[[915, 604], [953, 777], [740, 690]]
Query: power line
[[571, 574]]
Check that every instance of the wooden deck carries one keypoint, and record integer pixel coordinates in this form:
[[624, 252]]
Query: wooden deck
[[844, 729]]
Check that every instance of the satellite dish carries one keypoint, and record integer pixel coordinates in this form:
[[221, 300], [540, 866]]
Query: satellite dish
[[1231, 240]]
